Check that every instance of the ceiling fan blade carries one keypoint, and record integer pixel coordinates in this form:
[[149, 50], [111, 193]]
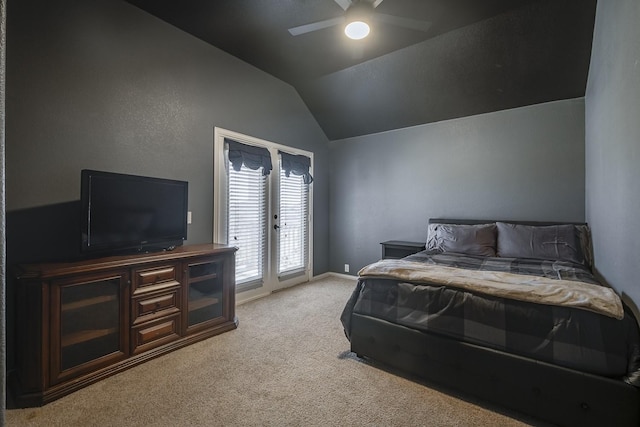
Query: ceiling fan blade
[[315, 26], [376, 3], [412, 24], [345, 4]]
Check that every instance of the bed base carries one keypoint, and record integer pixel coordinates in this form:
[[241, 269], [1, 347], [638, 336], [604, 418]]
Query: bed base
[[541, 390]]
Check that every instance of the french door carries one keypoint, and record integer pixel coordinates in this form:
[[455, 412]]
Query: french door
[[266, 214]]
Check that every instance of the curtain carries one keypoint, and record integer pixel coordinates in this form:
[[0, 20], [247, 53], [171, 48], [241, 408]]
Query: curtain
[[296, 164], [250, 156]]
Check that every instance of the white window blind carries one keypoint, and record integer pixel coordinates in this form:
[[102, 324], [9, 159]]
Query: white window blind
[[294, 224], [246, 216]]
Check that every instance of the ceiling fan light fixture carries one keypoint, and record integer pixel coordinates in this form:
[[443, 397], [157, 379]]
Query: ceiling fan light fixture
[[357, 30]]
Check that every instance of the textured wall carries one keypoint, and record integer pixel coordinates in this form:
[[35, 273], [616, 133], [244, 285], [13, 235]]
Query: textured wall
[[612, 109], [103, 85], [3, 343], [521, 164]]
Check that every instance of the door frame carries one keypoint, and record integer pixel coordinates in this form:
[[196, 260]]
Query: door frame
[[272, 282]]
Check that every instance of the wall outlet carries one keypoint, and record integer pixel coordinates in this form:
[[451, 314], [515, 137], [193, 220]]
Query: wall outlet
[[346, 268], [189, 217]]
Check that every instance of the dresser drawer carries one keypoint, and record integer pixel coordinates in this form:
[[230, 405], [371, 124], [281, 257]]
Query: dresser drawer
[[155, 333], [156, 278], [152, 306]]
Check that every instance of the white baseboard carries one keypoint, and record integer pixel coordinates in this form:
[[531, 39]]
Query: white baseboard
[[333, 274], [241, 299]]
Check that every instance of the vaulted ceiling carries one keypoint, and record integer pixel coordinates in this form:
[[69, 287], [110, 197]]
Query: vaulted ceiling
[[474, 56]]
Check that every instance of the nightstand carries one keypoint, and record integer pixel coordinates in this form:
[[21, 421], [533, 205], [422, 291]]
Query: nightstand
[[394, 249]]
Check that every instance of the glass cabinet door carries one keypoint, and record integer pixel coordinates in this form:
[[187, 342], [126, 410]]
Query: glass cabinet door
[[205, 293], [88, 325]]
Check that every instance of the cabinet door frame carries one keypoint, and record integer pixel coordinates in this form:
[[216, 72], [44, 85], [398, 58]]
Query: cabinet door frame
[[56, 373], [225, 273]]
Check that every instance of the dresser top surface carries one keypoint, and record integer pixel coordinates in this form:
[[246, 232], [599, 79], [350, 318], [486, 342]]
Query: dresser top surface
[[45, 270]]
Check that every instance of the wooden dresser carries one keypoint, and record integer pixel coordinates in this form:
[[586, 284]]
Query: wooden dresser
[[80, 322]]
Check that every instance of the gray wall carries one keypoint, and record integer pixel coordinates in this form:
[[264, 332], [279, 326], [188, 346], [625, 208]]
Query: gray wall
[[3, 343], [103, 85], [612, 109], [521, 164]]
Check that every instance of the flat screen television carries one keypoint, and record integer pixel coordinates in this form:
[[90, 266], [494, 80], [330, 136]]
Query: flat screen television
[[130, 213]]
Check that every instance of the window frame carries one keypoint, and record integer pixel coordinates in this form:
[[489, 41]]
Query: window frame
[[272, 281]]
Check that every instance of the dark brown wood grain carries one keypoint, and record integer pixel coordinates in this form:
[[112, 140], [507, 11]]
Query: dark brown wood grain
[[82, 321]]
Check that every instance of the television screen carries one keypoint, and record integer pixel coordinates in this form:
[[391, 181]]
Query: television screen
[[128, 212]]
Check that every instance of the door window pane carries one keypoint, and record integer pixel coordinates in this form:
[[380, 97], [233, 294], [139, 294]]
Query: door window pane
[[293, 220], [246, 222]]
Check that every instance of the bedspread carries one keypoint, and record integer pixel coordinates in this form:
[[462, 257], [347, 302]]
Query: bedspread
[[529, 288], [564, 335]]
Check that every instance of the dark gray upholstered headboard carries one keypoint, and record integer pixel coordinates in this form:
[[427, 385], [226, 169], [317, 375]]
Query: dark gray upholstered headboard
[[488, 221], [582, 228]]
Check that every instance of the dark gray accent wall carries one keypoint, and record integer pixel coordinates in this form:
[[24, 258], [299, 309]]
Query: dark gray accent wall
[[520, 164], [103, 85], [612, 110], [3, 266]]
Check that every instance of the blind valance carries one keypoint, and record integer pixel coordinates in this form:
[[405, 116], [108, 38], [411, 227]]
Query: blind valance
[[296, 164], [252, 157]]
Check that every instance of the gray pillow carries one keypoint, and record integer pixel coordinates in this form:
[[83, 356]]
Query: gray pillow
[[479, 239], [551, 242], [584, 236]]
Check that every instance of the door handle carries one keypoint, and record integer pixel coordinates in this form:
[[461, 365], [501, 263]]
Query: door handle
[[276, 227]]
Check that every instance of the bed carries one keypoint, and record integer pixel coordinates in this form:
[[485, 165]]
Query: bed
[[506, 311]]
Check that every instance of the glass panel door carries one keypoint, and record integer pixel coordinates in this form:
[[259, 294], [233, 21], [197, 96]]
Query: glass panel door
[[266, 217], [246, 224], [205, 293], [293, 225], [90, 322], [88, 329], [247, 218]]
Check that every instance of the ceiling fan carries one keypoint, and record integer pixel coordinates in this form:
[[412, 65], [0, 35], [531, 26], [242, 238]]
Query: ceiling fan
[[358, 13]]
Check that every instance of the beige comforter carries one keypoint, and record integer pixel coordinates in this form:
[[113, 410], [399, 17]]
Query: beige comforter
[[540, 290]]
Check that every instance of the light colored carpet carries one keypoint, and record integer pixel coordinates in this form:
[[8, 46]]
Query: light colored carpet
[[288, 364]]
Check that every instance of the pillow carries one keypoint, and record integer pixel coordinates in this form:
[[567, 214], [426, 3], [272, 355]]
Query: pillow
[[584, 235], [551, 242], [478, 239]]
